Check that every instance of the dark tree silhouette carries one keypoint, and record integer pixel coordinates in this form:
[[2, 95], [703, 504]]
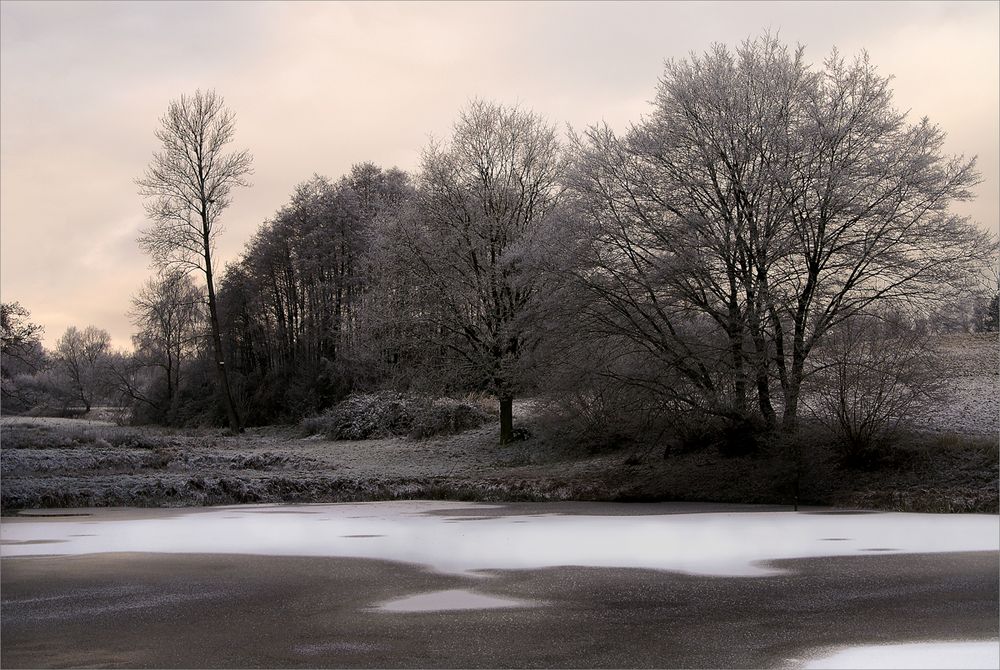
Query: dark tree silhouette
[[186, 187], [82, 356], [761, 204]]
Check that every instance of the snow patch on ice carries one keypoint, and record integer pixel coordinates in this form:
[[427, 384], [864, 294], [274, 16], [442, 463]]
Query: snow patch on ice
[[451, 600], [711, 543], [966, 654]]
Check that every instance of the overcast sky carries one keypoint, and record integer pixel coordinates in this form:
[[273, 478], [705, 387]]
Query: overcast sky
[[319, 87]]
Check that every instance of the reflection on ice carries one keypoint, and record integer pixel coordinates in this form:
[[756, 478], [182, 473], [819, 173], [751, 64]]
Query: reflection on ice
[[513, 537], [916, 655], [452, 599]]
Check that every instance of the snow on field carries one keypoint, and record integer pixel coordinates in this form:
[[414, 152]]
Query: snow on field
[[973, 408], [462, 538], [971, 364], [53, 422]]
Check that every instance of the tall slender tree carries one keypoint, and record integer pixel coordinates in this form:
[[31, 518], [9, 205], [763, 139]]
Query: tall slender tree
[[186, 187]]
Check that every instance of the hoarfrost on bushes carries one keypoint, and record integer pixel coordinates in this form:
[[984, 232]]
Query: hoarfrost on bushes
[[377, 415]]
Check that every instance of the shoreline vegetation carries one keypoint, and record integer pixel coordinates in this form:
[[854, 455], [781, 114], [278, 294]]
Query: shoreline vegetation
[[449, 450], [73, 464]]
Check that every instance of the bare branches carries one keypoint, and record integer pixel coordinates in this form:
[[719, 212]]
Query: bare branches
[[82, 356], [483, 198], [189, 182], [775, 200], [169, 312], [20, 339], [186, 187]]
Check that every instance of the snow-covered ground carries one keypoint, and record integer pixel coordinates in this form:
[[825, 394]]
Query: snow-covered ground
[[973, 408], [971, 367], [465, 538]]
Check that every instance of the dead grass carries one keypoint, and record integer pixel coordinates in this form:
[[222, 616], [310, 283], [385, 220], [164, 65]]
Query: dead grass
[[83, 465]]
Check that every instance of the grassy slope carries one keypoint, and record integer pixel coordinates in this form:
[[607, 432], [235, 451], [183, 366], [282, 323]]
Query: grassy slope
[[89, 465]]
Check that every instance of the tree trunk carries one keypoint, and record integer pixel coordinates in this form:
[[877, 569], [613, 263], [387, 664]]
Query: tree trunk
[[170, 383], [789, 421], [227, 396], [506, 419], [764, 400]]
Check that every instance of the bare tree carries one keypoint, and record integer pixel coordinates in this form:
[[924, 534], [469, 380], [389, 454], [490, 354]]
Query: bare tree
[[81, 357], [481, 199], [186, 187], [169, 313], [20, 340], [762, 203], [21, 355], [867, 197], [872, 376]]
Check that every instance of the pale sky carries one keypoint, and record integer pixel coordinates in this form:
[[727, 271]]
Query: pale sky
[[317, 87]]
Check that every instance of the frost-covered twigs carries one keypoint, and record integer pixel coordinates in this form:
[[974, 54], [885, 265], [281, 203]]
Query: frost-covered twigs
[[374, 415]]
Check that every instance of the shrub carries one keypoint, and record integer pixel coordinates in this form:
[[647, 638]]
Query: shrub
[[375, 415], [596, 420], [444, 416], [873, 376]]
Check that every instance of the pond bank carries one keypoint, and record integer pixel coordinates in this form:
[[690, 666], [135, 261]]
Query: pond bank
[[49, 464]]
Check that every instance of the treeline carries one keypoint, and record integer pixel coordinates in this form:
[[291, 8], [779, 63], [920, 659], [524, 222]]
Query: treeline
[[772, 240], [294, 307]]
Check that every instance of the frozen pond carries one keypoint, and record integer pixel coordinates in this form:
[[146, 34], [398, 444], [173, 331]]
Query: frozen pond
[[465, 538], [584, 584]]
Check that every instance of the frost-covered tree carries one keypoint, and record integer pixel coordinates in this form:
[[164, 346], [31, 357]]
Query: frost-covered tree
[[482, 197], [20, 340], [991, 319], [21, 355], [296, 305], [760, 204]]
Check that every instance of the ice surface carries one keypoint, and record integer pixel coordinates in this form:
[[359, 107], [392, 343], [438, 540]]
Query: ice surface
[[916, 655], [422, 532]]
